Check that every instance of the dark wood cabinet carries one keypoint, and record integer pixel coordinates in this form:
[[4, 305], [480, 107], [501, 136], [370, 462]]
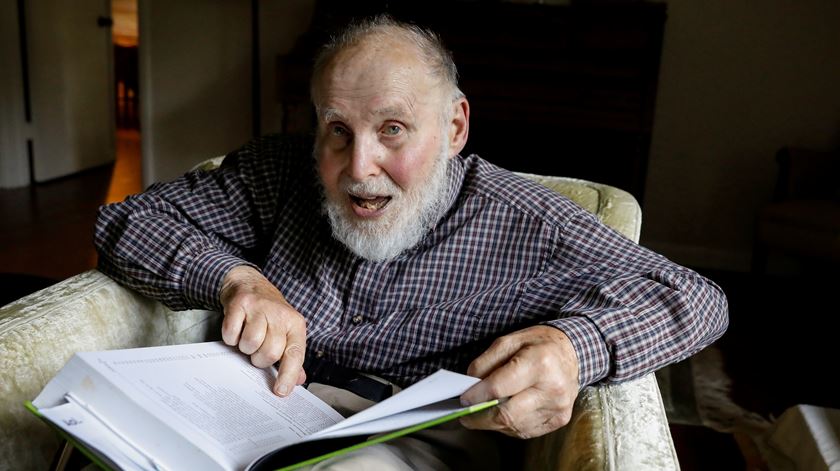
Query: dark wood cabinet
[[559, 90]]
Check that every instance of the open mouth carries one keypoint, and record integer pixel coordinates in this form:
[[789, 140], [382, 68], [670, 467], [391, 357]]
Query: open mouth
[[371, 203]]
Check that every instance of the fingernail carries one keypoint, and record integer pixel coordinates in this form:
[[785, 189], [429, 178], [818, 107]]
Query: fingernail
[[283, 390], [465, 402]]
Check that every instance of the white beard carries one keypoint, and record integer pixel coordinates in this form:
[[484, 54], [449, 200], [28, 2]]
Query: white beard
[[410, 214]]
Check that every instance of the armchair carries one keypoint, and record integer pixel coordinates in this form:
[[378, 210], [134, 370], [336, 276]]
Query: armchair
[[614, 426]]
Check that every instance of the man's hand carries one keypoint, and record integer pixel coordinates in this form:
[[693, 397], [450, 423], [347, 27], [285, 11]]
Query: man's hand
[[260, 321], [537, 368]]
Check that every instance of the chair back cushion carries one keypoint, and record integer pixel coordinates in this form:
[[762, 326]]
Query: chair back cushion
[[614, 207]]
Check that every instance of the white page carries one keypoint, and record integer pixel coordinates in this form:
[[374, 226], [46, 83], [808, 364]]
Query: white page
[[77, 422], [435, 388], [398, 421], [89, 386], [212, 396]]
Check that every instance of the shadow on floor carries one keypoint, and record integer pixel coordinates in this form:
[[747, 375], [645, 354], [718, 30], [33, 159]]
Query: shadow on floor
[[781, 344]]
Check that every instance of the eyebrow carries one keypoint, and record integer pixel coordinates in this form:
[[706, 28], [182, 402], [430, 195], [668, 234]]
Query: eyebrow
[[333, 114]]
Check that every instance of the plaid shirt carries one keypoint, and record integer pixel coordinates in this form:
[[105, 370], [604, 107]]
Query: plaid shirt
[[508, 254]]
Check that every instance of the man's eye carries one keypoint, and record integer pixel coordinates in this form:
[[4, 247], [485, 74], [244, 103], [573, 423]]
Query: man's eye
[[339, 131], [392, 130]]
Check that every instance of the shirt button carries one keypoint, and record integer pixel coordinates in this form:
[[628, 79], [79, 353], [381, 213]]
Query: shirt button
[[319, 354], [357, 319]]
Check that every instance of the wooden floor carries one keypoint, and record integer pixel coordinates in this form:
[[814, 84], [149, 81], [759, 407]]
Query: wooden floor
[[778, 349], [47, 229]]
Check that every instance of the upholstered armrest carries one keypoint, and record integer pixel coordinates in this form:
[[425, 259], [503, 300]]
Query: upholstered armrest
[[40, 332], [613, 427]]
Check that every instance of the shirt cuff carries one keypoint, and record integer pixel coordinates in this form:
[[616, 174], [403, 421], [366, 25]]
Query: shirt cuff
[[204, 275], [592, 353]]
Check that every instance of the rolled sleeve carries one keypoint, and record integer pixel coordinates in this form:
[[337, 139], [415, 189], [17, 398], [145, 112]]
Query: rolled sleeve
[[592, 354], [176, 241], [628, 311], [203, 277]]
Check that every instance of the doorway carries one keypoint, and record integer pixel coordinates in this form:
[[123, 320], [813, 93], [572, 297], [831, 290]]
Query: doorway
[[127, 175]]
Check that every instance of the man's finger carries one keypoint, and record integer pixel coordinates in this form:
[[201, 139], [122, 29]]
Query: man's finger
[[232, 326], [278, 328], [271, 349], [517, 417], [495, 418], [253, 334], [500, 352], [505, 381], [291, 363]]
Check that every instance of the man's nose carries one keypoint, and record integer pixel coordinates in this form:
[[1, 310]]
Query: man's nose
[[365, 159]]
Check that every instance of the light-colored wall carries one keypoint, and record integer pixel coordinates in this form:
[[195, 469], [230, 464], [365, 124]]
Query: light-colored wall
[[738, 80], [195, 82], [70, 85], [14, 167], [196, 77]]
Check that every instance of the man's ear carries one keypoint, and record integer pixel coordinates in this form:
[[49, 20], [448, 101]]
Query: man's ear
[[459, 126]]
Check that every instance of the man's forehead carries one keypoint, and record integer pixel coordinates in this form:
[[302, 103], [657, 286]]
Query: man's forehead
[[383, 80], [403, 110], [394, 110]]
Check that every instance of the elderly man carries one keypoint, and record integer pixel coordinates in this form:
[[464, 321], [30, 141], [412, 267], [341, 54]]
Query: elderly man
[[391, 255]]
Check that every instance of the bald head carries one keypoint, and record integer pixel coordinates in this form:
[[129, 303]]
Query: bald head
[[383, 36], [390, 120]]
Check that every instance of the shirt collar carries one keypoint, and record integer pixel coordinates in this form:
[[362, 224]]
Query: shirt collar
[[455, 172]]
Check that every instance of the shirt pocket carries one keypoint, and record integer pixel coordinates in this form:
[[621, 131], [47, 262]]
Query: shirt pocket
[[496, 314]]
